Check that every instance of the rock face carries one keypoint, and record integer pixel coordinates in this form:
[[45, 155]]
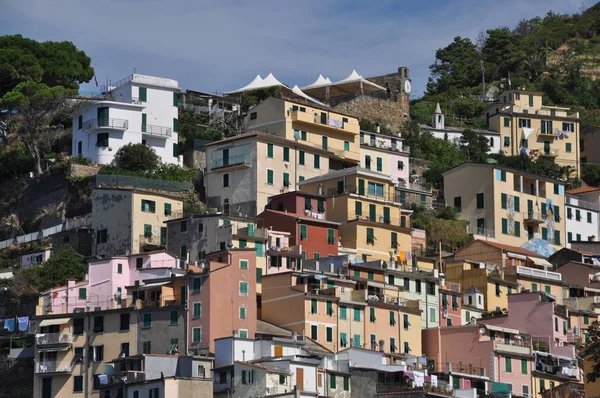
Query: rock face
[[391, 107]]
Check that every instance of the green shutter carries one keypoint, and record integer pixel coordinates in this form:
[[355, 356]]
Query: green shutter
[[330, 236], [329, 308], [286, 154], [197, 335], [313, 306], [258, 275], [269, 150], [361, 186], [357, 340], [372, 315], [503, 201], [301, 157], [175, 125], [508, 364], [358, 208], [556, 238], [244, 287], [544, 233], [329, 334], [321, 206], [324, 142], [342, 311], [143, 94], [506, 122], [174, 318], [196, 285], [270, 177], [175, 149], [346, 146], [147, 230], [392, 318], [175, 99], [286, 179], [317, 162], [143, 122], [332, 381], [147, 320], [357, 314], [303, 233], [504, 226], [314, 332], [517, 203], [82, 293], [372, 213], [120, 268], [346, 383], [517, 229], [197, 310], [379, 164]]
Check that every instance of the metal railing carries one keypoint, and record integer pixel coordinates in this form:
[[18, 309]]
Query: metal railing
[[487, 232], [386, 145], [120, 124], [536, 273], [550, 153], [53, 367], [153, 239], [158, 131], [377, 218], [230, 161], [351, 189], [413, 187], [537, 216], [139, 182], [53, 338]]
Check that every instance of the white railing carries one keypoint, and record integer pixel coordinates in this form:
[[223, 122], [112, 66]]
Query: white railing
[[52, 367], [72, 224], [537, 273], [53, 338]]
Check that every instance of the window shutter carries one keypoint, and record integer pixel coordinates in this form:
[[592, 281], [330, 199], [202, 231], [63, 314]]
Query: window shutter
[[175, 125], [175, 99], [358, 208]]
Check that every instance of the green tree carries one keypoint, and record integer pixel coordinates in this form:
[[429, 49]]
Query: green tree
[[137, 157], [255, 97], [502, 53], [51, 63], [34, 105], [193, 124], [590, 174], [592, 352], [474, 145], [456, 66]]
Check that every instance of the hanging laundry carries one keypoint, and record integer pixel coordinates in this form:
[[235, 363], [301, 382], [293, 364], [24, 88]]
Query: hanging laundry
[[103, 379], [402, 256], [9, 324], [527, 132], [523, 151], [558, 133], [566, 133], [23, 323], [408, 256]]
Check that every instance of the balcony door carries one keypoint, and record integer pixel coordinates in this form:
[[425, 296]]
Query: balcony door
[[47, 387], [102, 116]]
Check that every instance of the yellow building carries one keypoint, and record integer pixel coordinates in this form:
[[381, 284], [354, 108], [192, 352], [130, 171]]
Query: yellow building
[[129, 221], [366, 204], [525, 124], [507, 205], [312, 125], [340, 313]]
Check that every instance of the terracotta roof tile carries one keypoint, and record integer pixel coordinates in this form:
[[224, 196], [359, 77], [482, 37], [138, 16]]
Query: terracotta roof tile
[[582, 190]]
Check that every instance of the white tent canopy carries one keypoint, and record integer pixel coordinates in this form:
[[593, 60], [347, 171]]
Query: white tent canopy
[[320, 82], [300, 93], [354, 84], [257, 83]]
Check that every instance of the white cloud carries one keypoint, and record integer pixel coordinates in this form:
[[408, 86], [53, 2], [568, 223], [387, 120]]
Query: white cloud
[[223, 45]]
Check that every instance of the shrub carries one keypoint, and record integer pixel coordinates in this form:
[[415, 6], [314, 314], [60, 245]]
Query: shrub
[[137, 157]]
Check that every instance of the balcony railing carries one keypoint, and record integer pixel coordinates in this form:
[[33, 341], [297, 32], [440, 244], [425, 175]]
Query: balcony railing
[[385, 145], [53, 367], [329, 122], [53, 339], [153, 239], [487, 232], [126, 377], [378, 218], [351, 189], [551, 153], [115, 124], [515, 346], [534, 217], [231, 161], [413, 187], [537, 273], [290, 251], [157, 131]]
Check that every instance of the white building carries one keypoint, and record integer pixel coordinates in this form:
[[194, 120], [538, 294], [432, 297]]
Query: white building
[[439, 130], [582, 213], [138, 109], [472, 305], [29, 259]]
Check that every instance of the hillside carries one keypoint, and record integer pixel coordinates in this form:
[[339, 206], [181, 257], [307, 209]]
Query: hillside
[[558, 54]]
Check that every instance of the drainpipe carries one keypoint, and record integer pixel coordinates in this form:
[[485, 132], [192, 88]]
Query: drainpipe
[[86, 356]]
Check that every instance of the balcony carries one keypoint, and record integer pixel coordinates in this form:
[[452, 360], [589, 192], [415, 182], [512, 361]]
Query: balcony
[[546, 134], [537, 273], [485, 232], [47, 367], [127, 377], [152, 240], [534, 217], [327, 122], [156, 131], [291, 251], [411, 186], [231, 163], [53, 339], [520, 347], [382, 144], [379, 219], [366, 193], [105, 124], [551, 153]]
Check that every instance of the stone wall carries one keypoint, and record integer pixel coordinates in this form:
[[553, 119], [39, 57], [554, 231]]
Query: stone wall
[[378, 110], [80, 170]]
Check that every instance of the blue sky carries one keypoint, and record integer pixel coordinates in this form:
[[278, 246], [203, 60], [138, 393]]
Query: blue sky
[[222, 45]]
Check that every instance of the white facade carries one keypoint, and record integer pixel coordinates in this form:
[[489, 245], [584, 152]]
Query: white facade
[[29, 259], [581, 219], [138, 109], [420, 286], [453, 134]]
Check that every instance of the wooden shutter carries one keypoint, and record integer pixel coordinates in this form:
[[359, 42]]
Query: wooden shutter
[[300, 378], [278, 351]]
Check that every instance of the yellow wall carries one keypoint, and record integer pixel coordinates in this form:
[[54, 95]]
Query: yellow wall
[[374, 154], [155, 219], [492, 301]]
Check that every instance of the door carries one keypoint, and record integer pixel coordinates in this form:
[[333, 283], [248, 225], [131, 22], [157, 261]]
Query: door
[[340, 187], [323, 118], [530, 208], [163, 236], [481, 226], [386, 215], [372, 213], [102, 116], [300, 378], [47, 387], [547, 147], [529, 232], [225, 157]]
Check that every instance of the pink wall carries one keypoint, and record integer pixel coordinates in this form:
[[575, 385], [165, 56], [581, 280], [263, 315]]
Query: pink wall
[[530, 315], [395, 173]]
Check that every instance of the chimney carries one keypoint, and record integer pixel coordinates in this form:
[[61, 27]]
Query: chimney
[[377, 128]]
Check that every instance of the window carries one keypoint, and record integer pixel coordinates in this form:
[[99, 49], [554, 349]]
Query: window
[[431, 288], [370, 236], [102, 139], [406, 347], [243, 288], [313, 306], [317, 162], [303, 135], [357, 314], [370, 276], [175, 149], [417, 285], [329, 308], [400, 165], [375, 189], [197, 310], [174, 318], [480, 200], [432, 312], [586, 320], [346, 383], [101, 236], [346, 146], [568, 147], [286, 154], [448, 322], [314, 332], [506, 122], [467, 317], [269, 177], [225, 180], [301, 157], [97, 353], [303, 232], [286, 180], [146, 347], [329, 334], [343, 312], [405, 322], [196, 285], [124, 322], [504, 226], [183, 251], [372, 317], [253, 116], [82, 293], [525, 123], [143, 94], [458, 203], [148, 206], [406, 284], [525, 391], [367, 162], [78, 326], [98, 324], [498, 291], [357, 208], [332, 384], [77, 383], [147, 320], [196, 335], [243, 263], [379, 164], [508, 364], [356, 340], [242, 312], [324, 142], [589, 217], [506, 141]]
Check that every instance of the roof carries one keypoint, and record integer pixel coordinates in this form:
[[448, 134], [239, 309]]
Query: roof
[[581, 190], [473, 289], [268, 369], [437, 108], [258, 83], [269, 329], [346, 172], [299, 217], [507, 248], [498, 167], [452, 129]]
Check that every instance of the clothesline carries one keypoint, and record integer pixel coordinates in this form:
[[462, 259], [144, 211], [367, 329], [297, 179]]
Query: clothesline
[[21, 322]]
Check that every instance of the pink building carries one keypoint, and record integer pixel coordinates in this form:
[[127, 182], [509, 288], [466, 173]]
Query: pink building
[[538, 315], [450, 304], [105, 286], [481, 356], [222, 298]]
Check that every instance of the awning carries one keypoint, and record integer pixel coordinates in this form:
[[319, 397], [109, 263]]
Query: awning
[[151, 285], [55, 321], [502, 388], [515, 255], [54, 349], [499, 329], [540, 261]]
